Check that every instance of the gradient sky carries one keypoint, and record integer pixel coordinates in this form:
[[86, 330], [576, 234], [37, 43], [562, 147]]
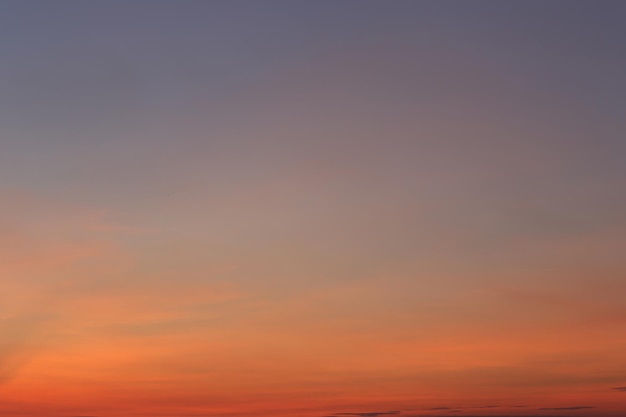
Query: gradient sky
[[312, 208]]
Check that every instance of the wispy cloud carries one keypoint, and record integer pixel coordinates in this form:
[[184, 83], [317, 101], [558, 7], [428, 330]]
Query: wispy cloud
[[478, 407], [21, 335], [577, 407], [367, 414]]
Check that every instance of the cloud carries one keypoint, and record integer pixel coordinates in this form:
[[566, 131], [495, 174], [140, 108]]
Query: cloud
[[367, 414], [23, 336], [43, 244], [578, 407], [619, 389], [489, 406], [479, 407]]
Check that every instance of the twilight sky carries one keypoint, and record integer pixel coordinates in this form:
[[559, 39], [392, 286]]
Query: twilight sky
[[310, 208]]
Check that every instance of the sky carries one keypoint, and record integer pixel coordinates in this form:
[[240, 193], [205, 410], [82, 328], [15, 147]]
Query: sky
[[312, 208]]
